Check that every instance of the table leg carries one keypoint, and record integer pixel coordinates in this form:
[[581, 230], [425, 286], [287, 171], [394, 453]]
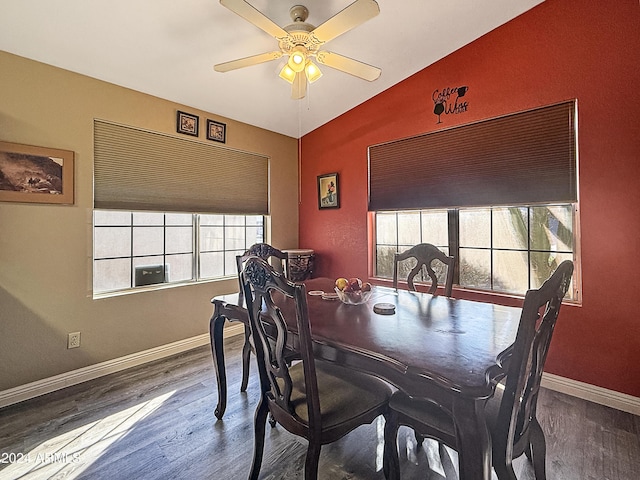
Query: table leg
[[216, 327], [473, 437]]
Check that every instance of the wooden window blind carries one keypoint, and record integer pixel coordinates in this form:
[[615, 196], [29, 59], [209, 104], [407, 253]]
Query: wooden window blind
[[523, 158], [141, 170]]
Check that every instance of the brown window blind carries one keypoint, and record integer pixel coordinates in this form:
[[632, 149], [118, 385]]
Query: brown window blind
[[523, 158], [141, 170]]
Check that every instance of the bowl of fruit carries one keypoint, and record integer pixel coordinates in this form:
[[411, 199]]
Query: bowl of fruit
[[352, 291]]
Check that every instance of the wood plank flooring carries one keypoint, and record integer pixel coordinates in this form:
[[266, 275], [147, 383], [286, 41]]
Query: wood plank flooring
[[156, 421]]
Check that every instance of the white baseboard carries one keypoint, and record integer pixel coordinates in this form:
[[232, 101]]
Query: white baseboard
[[609, 398], [57, 382], [603, 396]]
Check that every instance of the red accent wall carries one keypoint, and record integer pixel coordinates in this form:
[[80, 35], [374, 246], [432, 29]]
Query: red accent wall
[[559, 50]]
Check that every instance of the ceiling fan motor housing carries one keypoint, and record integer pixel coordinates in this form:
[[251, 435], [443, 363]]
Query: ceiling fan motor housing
[[300, 33], [299, 13]]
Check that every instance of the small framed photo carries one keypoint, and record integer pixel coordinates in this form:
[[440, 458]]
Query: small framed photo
[[216, 131], [35, 174], [187, 123], [328, 191]]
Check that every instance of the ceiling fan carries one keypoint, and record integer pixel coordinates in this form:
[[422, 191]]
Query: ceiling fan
[[302, 43]]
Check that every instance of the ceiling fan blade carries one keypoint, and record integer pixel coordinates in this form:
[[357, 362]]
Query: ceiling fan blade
[[247, 61], [299, 86], [251, 14], [348, 65], [358, 12]]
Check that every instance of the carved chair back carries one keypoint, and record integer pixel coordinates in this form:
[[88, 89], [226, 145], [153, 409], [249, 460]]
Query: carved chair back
[[266, 252], [526, 360], [425, 254], [261, 283]]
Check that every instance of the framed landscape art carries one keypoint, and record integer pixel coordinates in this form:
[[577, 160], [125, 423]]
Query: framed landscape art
[[35, 174]]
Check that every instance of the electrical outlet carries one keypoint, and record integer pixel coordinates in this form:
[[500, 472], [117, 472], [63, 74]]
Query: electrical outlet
[[73, 341]]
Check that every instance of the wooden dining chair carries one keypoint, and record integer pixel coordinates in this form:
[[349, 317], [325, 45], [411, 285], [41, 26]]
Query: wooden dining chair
[[511, 412], [425, 254], [266, 252], [317, 400], [272, 255]]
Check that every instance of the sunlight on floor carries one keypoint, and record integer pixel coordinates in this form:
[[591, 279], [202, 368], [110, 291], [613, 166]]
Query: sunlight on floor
[[441, 460], [380, 443], [432, 450], [69, 454]]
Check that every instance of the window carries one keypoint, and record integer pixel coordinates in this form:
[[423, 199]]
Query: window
[[134, 249], [501, 249], [427, 188], [399, 231]]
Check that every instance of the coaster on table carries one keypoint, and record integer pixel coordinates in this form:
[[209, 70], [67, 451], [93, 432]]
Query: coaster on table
[[330, 296], [384, 308], [316, 293]]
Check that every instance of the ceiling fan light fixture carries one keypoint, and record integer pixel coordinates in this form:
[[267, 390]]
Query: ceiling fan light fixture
[[312, 71], [298, 59], [287, 73]]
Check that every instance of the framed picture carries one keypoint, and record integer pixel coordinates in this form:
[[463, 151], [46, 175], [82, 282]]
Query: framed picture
[[187, 123], [35, 174], [216, 131], [328, 191]]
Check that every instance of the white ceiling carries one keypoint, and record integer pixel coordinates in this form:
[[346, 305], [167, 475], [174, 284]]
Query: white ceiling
[[167, 48]]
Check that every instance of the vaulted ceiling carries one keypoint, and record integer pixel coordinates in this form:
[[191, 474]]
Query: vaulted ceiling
[[167, 48]]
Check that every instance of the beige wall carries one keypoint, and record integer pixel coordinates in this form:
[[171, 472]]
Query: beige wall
[[46, 250]]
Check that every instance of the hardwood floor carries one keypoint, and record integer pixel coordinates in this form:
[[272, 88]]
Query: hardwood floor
[[156, 422]]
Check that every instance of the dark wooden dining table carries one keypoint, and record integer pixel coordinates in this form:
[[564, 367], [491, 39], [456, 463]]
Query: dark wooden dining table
[[448, 350]]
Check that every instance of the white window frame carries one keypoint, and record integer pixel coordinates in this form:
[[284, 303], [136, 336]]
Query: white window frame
[[228, 252], [453, 248]]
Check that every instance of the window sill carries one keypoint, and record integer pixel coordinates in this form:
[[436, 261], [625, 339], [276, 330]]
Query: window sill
[[485, 296], [158, 286]]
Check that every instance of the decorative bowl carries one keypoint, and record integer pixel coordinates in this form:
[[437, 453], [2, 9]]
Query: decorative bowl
[[353, 298]]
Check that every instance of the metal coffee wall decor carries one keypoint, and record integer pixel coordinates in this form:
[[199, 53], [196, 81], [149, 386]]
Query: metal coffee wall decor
[[448, 101]]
